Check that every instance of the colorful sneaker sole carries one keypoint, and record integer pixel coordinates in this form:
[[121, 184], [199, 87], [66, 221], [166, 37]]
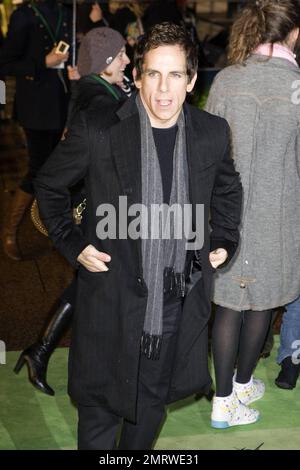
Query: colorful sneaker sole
[[226, 424]]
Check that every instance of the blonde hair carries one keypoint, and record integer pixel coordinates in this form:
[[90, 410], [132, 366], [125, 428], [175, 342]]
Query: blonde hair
[[262, 21], [134, 6]]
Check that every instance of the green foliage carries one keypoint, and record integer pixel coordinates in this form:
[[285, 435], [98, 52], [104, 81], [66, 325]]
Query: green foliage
[[199, 99]]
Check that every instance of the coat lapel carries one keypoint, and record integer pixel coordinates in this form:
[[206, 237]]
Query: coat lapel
[[126, 150]]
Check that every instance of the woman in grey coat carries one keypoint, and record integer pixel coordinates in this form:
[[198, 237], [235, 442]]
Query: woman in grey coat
[[259, 96]]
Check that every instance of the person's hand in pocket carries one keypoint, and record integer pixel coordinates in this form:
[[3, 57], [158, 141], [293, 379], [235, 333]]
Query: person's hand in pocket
[[218, 257], [93, 260]]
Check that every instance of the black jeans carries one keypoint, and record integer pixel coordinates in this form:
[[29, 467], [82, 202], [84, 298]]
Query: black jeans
[[97, 427], [40, 144]]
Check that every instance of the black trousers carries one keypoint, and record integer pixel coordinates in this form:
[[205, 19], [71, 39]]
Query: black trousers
[[40, 144], [98, 428]]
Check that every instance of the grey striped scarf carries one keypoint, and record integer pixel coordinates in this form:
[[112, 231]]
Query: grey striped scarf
[[159, 253]]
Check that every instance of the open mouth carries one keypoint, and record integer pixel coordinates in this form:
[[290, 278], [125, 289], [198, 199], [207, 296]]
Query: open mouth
[[164, 103]]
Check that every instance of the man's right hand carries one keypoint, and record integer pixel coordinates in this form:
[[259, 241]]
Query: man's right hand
[[93, 260], [53, 59]]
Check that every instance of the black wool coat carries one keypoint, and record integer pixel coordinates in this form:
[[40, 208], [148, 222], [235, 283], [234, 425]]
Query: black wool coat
[[104, 149], [42, 94], [89, 93]]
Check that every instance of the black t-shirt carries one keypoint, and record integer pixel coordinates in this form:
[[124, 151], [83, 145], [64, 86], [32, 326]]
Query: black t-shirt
[[165, 142]]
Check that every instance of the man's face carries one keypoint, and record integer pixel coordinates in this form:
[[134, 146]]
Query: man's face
[[114, 73], [164, 84]]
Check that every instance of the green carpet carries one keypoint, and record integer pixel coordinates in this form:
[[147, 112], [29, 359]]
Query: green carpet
[[32, 420]]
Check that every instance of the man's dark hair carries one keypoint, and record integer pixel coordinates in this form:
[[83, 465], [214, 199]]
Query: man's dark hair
[[166, 34]]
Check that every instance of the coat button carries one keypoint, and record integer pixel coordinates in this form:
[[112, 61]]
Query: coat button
[[139, 280], [242, 285]]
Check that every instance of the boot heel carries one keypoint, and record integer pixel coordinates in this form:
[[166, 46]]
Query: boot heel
[[20, 364]]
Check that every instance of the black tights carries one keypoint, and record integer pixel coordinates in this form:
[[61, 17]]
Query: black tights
[[237, 335]]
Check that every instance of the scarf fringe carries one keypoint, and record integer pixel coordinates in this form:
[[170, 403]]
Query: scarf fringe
[[151, 345]]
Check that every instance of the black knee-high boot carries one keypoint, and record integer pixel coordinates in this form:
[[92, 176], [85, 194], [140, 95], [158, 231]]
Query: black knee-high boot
[[37, 355]]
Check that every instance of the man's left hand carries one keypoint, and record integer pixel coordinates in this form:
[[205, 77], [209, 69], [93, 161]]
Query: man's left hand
[[218, 257]]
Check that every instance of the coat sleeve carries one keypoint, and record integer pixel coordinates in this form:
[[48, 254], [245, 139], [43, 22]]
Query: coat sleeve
[[66, 166], [14, 59], [215, 103], [226, 200]]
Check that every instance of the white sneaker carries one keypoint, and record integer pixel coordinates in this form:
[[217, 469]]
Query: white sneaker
[[249, 392], [229, 411]]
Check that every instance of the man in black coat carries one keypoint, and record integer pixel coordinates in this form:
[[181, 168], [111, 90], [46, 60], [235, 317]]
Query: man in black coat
[[143, 297], [42, 92]]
